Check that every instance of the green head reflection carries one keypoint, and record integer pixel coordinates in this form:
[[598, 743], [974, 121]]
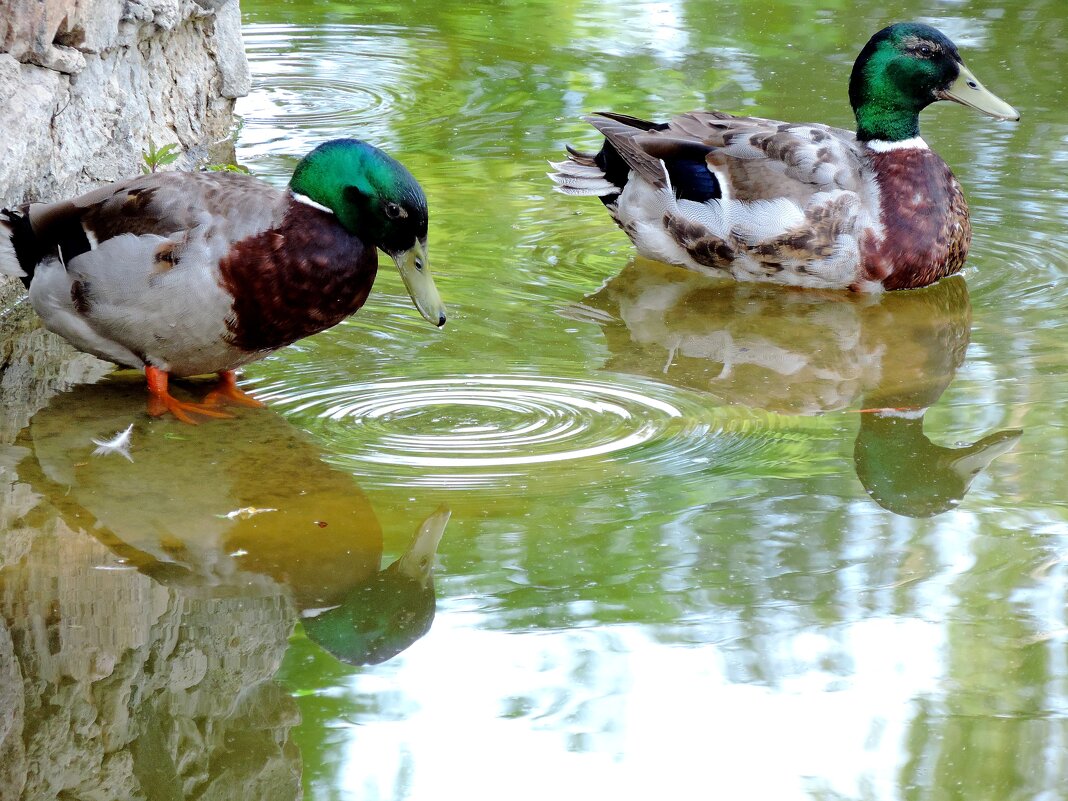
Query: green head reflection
[[908, 474], [388, 612]]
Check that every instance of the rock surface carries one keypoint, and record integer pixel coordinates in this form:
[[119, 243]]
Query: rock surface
[[35, 364], [85, 83]]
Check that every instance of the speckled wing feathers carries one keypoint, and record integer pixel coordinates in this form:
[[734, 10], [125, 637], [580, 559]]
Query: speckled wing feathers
[[184, 201], [766, 159], [796, 199]]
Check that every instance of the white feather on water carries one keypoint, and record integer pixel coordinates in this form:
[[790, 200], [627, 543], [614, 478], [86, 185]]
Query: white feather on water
[[120, 444]]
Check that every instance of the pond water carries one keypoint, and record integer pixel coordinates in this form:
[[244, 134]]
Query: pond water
[[673, 552]]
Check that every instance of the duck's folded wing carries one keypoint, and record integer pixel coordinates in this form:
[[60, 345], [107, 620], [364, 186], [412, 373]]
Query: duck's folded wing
[[754, 158], [212, 206], [763, 159]]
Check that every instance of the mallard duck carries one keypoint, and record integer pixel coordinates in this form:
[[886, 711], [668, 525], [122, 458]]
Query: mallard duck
[[184, 273], [800, 204]]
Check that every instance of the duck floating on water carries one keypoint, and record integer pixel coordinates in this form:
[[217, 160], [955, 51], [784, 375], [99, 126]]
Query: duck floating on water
[[799, 204], [190, 273]]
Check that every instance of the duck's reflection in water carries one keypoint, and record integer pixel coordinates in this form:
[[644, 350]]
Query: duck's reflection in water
[[383, 615], [149, 603], [887, 358]]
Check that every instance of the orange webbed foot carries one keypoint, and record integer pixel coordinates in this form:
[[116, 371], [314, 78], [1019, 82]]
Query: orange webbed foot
[[160, 400], [226, 390]]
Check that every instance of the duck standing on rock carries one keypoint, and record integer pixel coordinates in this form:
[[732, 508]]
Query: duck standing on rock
[[190, 273], [799, 204]]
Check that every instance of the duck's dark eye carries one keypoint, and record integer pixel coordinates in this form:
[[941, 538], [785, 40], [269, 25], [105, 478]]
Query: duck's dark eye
[[395, 211], [926, 51]]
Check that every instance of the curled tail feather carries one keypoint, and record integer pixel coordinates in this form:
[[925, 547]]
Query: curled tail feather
[[579, 174]]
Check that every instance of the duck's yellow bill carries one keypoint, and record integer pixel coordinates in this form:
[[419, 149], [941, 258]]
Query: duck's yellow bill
[[415, 271], [967, 91]]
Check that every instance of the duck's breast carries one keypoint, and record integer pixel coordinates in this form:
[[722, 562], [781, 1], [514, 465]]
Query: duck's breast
[[924, 216], [298, 279]]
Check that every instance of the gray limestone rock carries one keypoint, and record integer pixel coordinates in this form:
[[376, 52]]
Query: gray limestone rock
[[12, 751], [84, 85]]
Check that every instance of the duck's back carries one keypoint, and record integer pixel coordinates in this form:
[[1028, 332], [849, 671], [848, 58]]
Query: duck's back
[[221, 207]]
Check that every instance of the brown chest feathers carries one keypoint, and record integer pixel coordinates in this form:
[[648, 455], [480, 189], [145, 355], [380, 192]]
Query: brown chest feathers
[[926, 232], [295, 280]]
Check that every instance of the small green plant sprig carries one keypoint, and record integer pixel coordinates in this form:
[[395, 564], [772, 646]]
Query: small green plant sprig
[[156, 157]]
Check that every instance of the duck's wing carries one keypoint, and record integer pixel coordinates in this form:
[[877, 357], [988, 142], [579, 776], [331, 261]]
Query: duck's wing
[[755, 158], [764, 159], [753, 196], [218, 206], [117, 268]]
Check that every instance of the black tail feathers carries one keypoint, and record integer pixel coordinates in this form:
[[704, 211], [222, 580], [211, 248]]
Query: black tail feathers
[[18, 245]]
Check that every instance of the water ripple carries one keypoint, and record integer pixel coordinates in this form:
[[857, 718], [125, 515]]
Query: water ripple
[[310, 84], [1017, 266], [497, 430], [311, 100]]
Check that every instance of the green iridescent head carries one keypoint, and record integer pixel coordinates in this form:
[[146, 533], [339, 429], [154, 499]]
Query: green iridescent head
[[375, 198], [902, 70]]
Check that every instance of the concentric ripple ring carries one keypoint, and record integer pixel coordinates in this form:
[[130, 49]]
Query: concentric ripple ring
[[499, 431], [520, 421]]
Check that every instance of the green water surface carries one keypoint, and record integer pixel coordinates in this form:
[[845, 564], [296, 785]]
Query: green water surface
[[685, 559]]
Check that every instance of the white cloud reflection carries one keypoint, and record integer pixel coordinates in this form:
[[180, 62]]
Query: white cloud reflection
[[613, 713]]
